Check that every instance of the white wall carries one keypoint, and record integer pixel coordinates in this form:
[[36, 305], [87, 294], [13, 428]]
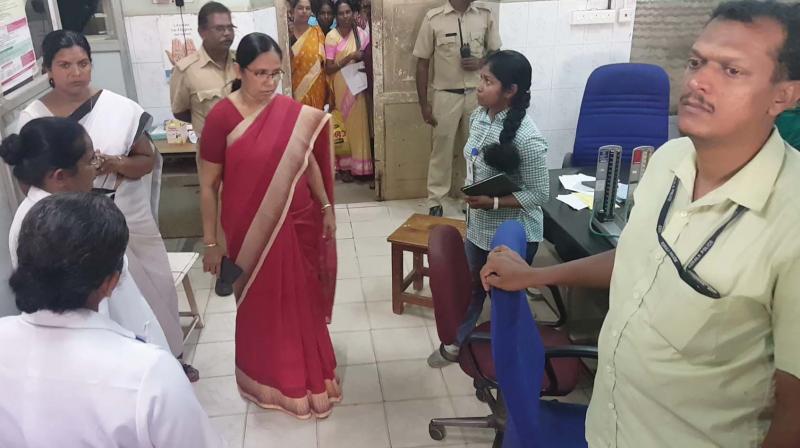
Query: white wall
[[152, 85], [562, 56], [7, 209], [146, 7], [107, 72]]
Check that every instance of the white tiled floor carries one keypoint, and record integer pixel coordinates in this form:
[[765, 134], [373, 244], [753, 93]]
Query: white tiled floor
[[390, 393]]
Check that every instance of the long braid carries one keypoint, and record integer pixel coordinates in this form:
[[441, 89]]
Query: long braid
[[504, 156]]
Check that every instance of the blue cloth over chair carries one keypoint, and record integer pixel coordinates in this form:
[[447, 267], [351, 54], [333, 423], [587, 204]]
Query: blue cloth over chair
[[519, 358], [623, 104]]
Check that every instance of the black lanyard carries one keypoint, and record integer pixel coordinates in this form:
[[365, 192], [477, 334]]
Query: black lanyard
[[688, 274]]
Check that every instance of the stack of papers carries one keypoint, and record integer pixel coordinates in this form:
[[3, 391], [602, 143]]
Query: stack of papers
[[577, 201], [583, 196]]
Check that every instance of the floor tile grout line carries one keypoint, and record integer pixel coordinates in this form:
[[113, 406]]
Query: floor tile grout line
[[244, 427], [380, 385]]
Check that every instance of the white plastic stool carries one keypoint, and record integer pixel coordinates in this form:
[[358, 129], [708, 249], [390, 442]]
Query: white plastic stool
[[180, 264]]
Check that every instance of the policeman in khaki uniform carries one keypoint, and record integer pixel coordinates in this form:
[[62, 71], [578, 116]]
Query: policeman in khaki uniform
[[201, 79], [457, 35]]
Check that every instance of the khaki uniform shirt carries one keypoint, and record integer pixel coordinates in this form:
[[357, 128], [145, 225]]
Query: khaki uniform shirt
[[198, 83], [439, 37], [680, 369]]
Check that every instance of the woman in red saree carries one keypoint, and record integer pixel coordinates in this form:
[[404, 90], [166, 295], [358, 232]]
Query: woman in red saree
[[274, 157]]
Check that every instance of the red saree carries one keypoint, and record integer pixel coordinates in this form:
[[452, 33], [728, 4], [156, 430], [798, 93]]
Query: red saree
[[273, 226]]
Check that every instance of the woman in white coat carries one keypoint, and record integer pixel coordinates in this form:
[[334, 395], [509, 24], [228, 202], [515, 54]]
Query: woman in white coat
[[70, 376], [128, 165], [55, 155]]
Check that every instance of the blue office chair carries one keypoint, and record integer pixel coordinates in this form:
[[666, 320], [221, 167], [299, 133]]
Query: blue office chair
[[623, 104], [519, 358]]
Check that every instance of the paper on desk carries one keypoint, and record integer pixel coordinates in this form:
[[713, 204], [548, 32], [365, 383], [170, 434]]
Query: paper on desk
[[356, 79], [573, 182], [622, 191], [586, 198], [572, 200]]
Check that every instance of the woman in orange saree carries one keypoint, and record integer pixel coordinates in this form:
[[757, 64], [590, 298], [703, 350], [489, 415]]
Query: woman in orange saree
[[274, 157], [309, 82]]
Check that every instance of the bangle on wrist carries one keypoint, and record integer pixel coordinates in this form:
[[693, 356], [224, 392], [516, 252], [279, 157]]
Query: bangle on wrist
[[209, 245], [496, 203], [326, 206]]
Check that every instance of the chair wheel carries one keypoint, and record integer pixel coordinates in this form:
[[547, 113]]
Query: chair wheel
[[437, 432], [482, 395]]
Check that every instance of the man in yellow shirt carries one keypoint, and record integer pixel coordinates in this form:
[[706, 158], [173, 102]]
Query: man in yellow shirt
[[701, 344], [203, 78]]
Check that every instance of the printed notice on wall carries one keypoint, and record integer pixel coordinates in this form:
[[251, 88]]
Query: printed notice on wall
[[179, 38], [17, 58]]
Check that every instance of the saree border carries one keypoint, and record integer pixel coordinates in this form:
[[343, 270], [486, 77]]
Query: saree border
[[264, 222]]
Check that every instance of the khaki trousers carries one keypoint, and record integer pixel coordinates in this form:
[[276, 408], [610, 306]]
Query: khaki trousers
[[446, 168]]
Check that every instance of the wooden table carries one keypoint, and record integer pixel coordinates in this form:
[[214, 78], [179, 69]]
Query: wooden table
[[412, 237], [175, 148]]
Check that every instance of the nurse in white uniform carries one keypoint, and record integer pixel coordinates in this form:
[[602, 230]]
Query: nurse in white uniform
[[70, 376], [55, 155]]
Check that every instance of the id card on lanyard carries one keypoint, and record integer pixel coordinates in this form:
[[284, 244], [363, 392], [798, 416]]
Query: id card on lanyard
[[471, 167], [471, 174]]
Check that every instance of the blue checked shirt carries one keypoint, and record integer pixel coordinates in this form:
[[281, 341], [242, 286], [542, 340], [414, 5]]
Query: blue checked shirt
[[532, 177]]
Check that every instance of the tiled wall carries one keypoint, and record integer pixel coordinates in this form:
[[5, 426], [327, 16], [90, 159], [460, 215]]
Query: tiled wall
[[562, 56], [152, 85]]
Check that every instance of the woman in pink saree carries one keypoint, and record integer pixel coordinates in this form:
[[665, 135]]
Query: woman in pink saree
[[273, 157]]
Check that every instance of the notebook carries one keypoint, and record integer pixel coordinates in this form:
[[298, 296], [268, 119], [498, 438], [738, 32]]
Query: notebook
[[496, 186]]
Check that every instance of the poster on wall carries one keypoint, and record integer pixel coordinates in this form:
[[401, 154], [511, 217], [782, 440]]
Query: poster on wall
[[17, 58], [179, 38]]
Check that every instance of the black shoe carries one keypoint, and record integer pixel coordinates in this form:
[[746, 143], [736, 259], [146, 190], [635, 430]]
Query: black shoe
[[436, 211], [223, 289]]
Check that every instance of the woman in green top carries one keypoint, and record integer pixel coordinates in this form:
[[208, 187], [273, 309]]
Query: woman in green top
[[789, 126], [502, 139]]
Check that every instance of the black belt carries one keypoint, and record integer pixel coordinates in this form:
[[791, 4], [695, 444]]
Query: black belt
[[457, 91]]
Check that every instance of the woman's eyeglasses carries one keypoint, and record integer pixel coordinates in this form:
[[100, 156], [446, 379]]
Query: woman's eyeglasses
[[263, 75], [96, 161]]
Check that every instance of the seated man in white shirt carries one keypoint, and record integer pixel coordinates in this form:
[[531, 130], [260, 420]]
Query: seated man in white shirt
[[70, 376]]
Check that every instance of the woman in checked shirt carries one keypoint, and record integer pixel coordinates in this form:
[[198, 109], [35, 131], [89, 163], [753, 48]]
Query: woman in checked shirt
[[502, 139]]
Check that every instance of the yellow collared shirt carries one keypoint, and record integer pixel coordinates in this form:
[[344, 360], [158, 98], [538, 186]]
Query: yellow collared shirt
[[680, 369], [198, 83]]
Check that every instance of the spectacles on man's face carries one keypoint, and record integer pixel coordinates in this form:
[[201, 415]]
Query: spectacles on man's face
[[263, 75]]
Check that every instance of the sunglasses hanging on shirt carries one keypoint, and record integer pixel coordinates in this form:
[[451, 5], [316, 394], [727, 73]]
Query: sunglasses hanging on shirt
[[688, 274]]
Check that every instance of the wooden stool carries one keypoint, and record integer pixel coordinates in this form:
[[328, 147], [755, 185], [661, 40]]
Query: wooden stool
[[180, 263], [412, 237]]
